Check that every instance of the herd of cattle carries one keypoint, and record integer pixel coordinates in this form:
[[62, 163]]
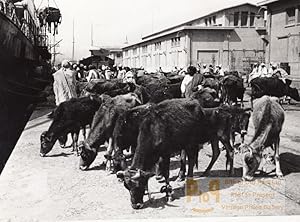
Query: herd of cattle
[[152, 121]]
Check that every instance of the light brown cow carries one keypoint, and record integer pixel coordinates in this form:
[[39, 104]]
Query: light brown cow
[[268, 118]]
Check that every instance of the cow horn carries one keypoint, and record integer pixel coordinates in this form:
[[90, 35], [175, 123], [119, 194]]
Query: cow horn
[[136, 98], [136, 175], [250, 151], [120, 174]]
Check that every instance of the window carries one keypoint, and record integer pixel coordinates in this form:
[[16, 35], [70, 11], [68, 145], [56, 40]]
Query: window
[[244, 19], [252, 17], [157, 46], [144, 49], [175, 42], [126, 53], [209, 20], [214, 19], [206, 22], [290, 16], [134, 51], [236, 18], [118, 55]]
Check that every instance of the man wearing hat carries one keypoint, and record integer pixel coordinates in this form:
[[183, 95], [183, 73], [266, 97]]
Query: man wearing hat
[[129, 77], [64, 85]]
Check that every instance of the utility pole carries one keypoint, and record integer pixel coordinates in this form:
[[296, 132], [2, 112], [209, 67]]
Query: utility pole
[[73, 43]]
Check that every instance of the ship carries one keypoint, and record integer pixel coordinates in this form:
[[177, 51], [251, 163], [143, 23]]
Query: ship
[[25, 69]]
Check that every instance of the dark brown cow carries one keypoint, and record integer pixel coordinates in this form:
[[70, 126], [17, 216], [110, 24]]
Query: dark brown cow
[[167, 128], [69, 117], [103, 125], [272, 87]]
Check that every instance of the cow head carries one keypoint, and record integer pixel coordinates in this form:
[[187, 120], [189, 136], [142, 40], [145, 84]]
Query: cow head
[[252, 159], [87, 156], [241, 121], [293, 93], [136, 182], [130, 99], [47, 142]]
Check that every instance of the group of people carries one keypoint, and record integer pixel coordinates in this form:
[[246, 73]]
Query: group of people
[[68, 74], [260, 70], [194, 78], [204, 69]]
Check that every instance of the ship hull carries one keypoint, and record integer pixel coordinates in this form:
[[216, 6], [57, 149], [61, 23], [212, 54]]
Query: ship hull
[[21, 85]]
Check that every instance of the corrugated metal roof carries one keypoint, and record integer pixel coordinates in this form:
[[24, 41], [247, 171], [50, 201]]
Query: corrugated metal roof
[[185, 23], [187, 27], [266, 2]]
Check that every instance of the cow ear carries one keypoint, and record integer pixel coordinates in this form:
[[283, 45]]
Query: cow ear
[[96, 98], [288, 82], [148, 174], [51, 115]]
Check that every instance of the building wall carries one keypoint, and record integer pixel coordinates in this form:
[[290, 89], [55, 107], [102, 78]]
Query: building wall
[[229, 48], [117, 57], [167, 55], [284, 46], [204, 46]]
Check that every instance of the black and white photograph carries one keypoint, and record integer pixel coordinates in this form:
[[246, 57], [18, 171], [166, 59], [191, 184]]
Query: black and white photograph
[[160, 110]]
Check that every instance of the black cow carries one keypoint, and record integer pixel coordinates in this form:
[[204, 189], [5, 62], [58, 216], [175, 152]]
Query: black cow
[[207, 97], [168, 127], [272, 86], [126, 132], [232, 89], [103, 125], [268, 118], [69, 117], [101, 86]]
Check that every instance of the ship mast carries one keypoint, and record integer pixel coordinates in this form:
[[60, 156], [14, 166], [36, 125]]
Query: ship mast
[[73, 43]]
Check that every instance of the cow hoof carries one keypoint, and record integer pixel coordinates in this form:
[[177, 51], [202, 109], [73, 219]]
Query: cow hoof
[[83, 168], [180, 179], [247, 178], [159, 177], [169, 198], [108, 157], [279, 176], [205, 174]]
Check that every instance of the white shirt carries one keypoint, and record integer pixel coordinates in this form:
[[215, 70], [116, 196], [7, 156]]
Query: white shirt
[[186, 80]]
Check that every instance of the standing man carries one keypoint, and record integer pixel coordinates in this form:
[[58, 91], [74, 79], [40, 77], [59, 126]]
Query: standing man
[[64, 88], [64, 85]]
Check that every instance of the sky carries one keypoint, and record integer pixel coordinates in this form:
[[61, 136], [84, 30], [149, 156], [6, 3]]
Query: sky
[[114, 21]]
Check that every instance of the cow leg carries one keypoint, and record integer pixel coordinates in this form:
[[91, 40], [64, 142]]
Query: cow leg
[[192, 157], [62, 141], [215, 155], [108, 155], [165, 167], [245, 169], [109, 149], [181, 175], [229, 156], [277, 160], [84, 132], [159, 170], [75, 142], [242, 101]]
